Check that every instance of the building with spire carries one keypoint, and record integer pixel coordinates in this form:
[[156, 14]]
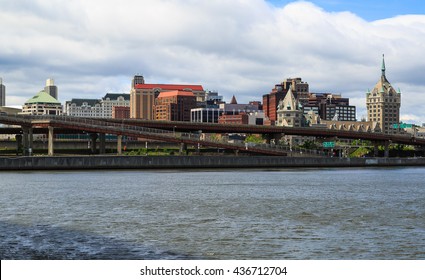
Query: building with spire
[[2, 93], [383, 104]]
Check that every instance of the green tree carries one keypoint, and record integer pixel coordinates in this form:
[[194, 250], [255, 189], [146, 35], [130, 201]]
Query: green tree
[[254, 138]]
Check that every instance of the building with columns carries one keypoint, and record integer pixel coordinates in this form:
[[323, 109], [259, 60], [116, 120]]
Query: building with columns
[[383, 104]]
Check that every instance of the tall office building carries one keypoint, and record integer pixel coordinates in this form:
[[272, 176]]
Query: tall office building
[[137, 80], [2, 93], [383, 104], [51, 89], [142, 96], [330, 106], [174, 105], [300, 90]]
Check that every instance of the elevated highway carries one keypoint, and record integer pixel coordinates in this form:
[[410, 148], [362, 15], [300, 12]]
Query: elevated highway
[[64, 123], [272, 130], [166, 131]]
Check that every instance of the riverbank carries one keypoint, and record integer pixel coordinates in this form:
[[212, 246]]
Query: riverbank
[[181, 162]]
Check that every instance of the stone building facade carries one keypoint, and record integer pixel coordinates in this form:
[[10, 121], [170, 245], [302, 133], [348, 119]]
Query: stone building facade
[[383, 104]]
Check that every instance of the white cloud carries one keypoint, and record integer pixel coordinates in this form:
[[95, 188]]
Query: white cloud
[[240, 47]]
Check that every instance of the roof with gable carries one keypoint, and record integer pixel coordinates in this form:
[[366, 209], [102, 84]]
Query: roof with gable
[[170, 87], [175, 93], [289, 103], [42, 98]]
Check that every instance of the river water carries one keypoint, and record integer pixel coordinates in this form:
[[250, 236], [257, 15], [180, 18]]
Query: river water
[[374, 213]]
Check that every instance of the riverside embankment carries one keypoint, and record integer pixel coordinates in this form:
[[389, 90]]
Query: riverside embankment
[[181, 162]]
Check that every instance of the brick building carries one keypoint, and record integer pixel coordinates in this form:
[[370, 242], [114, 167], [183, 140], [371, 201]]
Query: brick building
[[142, 96], [174, 105], [120, 112], [299, 88], [330, 106], [237, 118]]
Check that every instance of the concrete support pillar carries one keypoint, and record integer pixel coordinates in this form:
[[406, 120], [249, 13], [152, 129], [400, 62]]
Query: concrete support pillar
[[25, 140], [93, 139], [119, 144], [387, 149], [31, 142], [375, 149], [18, 138], [183, 148], [102, 138], [50, 142]]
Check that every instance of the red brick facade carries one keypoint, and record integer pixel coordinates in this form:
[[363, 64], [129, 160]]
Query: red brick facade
[[174, 106], [241, 118], [120, 112]]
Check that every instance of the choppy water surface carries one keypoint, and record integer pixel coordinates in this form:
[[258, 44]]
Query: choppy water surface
[[243, 214]]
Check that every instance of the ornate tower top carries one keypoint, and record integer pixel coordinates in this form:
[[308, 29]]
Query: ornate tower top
[[383, 65]]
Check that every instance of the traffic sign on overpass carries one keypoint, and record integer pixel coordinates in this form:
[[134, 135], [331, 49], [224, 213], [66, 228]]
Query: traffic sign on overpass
[[328, 144]]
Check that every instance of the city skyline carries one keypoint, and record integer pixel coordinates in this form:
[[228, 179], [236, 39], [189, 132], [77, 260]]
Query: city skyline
[[238, 48]]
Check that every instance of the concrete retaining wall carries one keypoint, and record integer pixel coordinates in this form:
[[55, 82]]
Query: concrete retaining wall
[[179, 162]]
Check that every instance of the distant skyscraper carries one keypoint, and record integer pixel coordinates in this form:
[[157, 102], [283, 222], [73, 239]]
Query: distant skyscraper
[[51, 89], [2, 93], [137, 80]]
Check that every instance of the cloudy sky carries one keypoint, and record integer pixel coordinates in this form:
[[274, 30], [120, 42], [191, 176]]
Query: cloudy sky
[[237, 47]]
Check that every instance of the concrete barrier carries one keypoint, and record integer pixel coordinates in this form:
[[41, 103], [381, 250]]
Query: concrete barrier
[[181, 162]]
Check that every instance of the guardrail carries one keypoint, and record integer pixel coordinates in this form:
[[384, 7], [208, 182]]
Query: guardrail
[[121, 128]]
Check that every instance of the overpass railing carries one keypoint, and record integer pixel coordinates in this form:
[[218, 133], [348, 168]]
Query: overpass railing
[[121, 128], [192, 136]]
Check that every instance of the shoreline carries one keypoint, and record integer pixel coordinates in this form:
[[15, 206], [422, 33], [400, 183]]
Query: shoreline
[[193, 162]]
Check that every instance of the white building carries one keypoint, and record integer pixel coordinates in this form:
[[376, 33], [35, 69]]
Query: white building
[[114, 99], [290, 112], [85, 108], [257, 118], [42, 104], [96, 108]]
